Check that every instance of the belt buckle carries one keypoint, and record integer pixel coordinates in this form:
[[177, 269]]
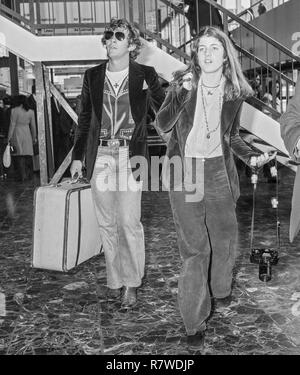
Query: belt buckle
[[113, 142]]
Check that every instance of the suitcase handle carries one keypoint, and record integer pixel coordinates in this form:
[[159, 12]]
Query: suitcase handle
[[80, 180]]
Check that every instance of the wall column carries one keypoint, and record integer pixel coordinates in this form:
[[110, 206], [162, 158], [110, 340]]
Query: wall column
[[13, 70], [40, 106]]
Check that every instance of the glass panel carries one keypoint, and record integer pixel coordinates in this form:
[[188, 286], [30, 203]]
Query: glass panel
[[35, 12], [86, 11], [46, 13], [72, 12], [100, 15], [150, 13], [5, 80], [105, 10], [114, 10], [58, 12], [24, 10]]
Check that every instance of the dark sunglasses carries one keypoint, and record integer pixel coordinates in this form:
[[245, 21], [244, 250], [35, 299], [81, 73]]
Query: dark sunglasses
[[108, 34]]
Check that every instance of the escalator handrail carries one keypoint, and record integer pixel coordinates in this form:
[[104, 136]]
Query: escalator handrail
[[162, 41]]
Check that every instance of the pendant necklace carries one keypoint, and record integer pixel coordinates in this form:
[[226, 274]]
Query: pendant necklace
[[205, 114], [117, 83], [210, 89]]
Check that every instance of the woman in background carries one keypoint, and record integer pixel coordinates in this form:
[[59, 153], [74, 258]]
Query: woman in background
[[4, 125], [22, 135]]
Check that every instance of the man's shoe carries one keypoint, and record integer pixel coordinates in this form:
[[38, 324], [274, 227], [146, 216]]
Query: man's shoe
[[223, 302], [129, 296], [197, 340], [113, 294]]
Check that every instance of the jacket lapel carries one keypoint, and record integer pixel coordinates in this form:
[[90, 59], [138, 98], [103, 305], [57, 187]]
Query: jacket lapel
[[97, 84], [190, 108], [136, 79], [229, 112]]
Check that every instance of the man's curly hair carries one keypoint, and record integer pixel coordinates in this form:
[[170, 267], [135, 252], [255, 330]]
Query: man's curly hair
[[133, 37]]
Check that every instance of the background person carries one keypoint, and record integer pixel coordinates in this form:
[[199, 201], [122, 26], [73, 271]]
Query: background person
[[268, 96], [257, 87], [200, 13], [4, 125], [261, 8], [22, 135]]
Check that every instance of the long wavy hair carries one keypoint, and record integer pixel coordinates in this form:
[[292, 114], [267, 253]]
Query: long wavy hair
[[236, 85], [133, 37]]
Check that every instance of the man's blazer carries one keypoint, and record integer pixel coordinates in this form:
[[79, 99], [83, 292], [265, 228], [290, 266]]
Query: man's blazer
[[144, 90]]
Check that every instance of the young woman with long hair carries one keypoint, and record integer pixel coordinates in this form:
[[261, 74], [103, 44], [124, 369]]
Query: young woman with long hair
[[202, 111]]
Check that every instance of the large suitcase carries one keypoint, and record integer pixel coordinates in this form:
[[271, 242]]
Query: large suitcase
[[65, 231]]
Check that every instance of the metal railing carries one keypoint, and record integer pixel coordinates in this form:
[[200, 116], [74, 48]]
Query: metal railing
[[65, 17], [262, 57]]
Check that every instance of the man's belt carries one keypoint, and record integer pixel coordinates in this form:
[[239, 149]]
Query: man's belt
[[113, 142]]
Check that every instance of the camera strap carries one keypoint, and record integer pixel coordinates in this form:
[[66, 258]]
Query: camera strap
[[274, 202], [252, 218], [277, 213]]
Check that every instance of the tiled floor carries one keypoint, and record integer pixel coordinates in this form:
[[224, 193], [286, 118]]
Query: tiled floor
[[47, 312]]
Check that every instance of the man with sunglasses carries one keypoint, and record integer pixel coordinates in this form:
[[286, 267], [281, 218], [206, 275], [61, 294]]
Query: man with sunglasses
[[112, 130]]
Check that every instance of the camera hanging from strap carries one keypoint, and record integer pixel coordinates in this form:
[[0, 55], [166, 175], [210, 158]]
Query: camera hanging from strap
[[265, 257]]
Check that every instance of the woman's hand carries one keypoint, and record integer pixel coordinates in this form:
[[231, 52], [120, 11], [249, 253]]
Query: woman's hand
[[187, 81], [259, 161], [76, 167]]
